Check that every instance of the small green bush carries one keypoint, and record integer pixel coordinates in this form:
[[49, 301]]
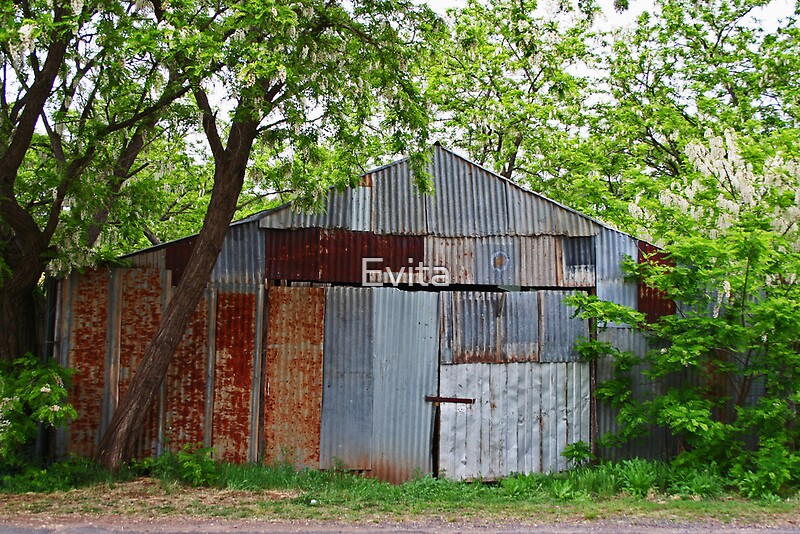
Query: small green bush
[[193, 465]]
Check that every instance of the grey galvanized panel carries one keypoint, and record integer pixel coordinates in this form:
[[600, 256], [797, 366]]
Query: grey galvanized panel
[[612, 248], [278, 219], [152, 259], [347, 396], [242, 257], [398, 207], [350, 209], [497, 261], [523, 417], [559, 330], [405, 371], [489, 327], [578, 255], [533, 214], [470, 200], [540, 261]]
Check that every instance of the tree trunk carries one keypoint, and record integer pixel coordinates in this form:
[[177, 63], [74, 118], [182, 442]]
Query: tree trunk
[[116, 445], [18, 320]]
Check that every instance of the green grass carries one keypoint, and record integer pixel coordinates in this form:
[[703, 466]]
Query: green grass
[[633, 488]]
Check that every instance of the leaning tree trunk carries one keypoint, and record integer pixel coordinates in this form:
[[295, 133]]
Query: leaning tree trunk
[[117, 443], [18, 320]]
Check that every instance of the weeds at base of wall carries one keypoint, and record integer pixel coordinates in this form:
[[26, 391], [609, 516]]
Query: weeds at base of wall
[[194, 466]]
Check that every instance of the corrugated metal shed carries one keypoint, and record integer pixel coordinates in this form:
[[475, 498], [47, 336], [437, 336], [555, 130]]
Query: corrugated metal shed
[[337, 375]]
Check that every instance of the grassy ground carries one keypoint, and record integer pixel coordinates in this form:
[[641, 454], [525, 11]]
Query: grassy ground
[[632, 491]]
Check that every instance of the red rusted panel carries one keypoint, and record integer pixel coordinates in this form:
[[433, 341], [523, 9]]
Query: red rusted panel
[[186, 383], [336, 255], [233, 375], [293, 254], [652, 302], [141, 302], [293, 399], [87, 356], [176, 258]]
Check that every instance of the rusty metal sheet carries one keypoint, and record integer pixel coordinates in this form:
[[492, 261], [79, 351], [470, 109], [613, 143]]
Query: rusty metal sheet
[[489, 327], [293, 399], [186, 384], [176, 257], [579, 261], [405, 372], [233, 375], [141, 301], [559, 330], [347, 397], [652, 302], [292, 254], [87, 356]]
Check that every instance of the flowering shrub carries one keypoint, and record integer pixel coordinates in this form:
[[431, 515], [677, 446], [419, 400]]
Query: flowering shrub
[[30, 393], [732, 238]]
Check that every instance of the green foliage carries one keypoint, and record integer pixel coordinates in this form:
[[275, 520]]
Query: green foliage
[[578, 453], [731, 263], [193, 465], [31, 394], [60, 476]]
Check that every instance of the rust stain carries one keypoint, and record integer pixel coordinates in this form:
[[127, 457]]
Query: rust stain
[[653, 302], [336, 255], [141, 309], [186, 383], [293, 397], [87, 356], [233, 375]]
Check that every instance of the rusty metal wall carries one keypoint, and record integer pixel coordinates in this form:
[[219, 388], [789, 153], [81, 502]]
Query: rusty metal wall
[[405, 371], [293, 400], [186, 383], [522, 261], [489, 327], [652, 302], [140, 302], [523, 416], [233, 374], [347, 396], [86, 308]]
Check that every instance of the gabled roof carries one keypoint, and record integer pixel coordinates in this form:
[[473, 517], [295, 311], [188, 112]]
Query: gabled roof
[[469, 201]]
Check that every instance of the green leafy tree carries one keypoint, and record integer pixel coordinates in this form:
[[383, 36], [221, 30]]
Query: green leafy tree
[[507, 87], [312, 88], [732, 239]]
